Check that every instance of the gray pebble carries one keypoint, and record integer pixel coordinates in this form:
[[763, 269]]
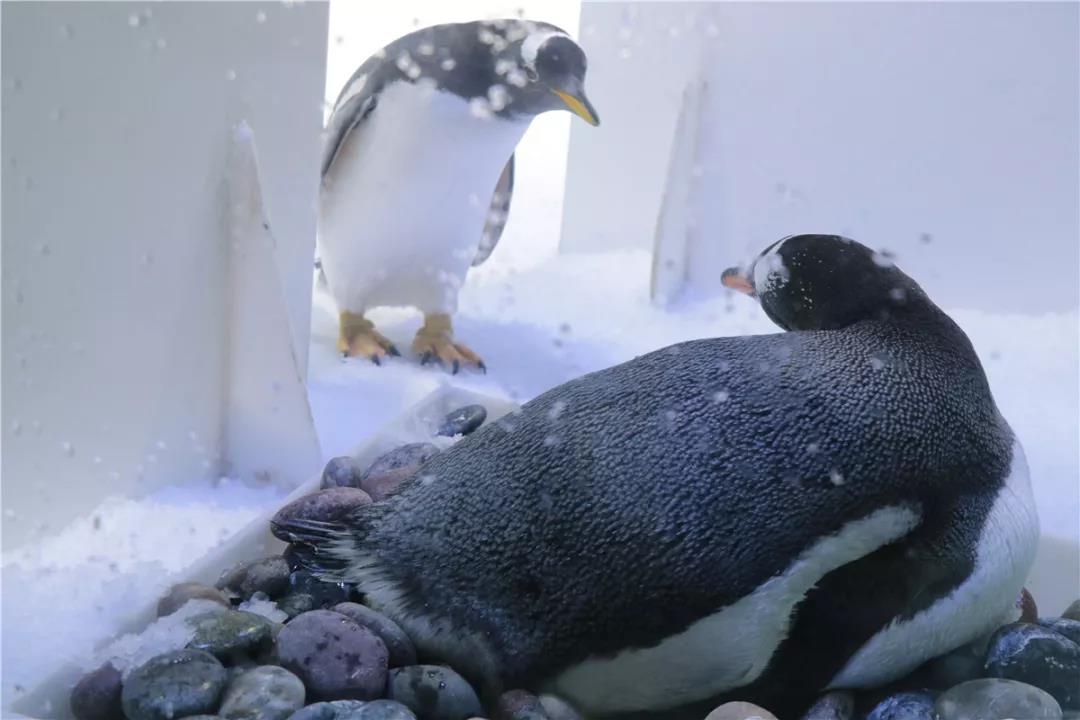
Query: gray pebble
[[263, 693], [97, 695], [335, 710], [268, 575], [343, 471], [295, 603], [334, 656], [433, 692], [225, 633], [1063, 626], [837, 705], [558, 709], [1073, 611], [915, 705], [463, 420], [397, 642], [996, 698], [385, 710], [519, 705], [173, 685], [1038, 656], [180, 594], [332, 505], [390, 470]]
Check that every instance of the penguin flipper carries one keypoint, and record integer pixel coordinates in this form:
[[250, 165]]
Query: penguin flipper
[[314, 542], [497, 213], [346, 118]]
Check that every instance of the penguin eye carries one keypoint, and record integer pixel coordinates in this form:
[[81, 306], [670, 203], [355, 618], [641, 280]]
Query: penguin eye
[[532, 74]]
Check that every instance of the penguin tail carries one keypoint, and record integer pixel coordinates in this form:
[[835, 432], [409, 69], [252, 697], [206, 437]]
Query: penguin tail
[[325, 549]]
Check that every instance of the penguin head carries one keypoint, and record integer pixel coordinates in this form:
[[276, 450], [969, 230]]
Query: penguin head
[[554, 67], [825, 282]]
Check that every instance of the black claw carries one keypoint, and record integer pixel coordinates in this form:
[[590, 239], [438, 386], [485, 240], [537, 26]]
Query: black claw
[[425, 358], [375, 359], [393, 351], [457, 366]]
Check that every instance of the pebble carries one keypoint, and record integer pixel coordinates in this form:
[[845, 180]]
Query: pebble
[[913, 705], [1063, 626], [1073, 611], [355, 710], [325, 594], [97, 695], [740, 711], [335, 657], [391, 469], [225, 633], [1038, 656], [269, 575], [837, 705], [558, 709], [463, 421], [333, 505], [519, 705], [401, 649], [263, 693], [433, 692], [295, 603], [1029, 611], [180, 594], [342, 471], [174, 685], [996, 698]]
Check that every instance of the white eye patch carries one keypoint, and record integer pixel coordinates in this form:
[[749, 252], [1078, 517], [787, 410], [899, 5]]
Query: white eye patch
[[530, 47], [770, 271]]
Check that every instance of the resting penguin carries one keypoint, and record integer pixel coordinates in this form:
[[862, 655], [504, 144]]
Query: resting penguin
[[754, 518], [417, 169]]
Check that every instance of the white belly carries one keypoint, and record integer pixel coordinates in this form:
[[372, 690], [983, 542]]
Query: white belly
[[732, 647], [402, 210], [985, 601]]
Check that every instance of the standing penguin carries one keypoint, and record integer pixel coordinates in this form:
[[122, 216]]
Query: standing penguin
[[754, 518], [420, 138]]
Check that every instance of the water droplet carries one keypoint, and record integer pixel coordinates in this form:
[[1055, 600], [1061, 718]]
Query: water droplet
[[720, 396], [65, 31], [625, 54], [836, 478], [135, 20], [146, 259], [498, 97], [565, 328], [442, 685], [926, 238], [16, 428], [151, 458], [884, 259], [97, 460], [673, 31], [712, 30], [877, 363], [68, 448], [44, 250], [9, 513], [813, 448], [426, 48], [339, 39], [161, 445], [230, 74], [260, 17], [448, 64], [898, 294], [161, 43], [28, 183]]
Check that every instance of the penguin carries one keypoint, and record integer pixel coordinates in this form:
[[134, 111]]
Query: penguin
[[755, 518], [418, 170]]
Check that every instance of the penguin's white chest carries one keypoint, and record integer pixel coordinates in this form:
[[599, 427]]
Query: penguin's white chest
[[403, 207]]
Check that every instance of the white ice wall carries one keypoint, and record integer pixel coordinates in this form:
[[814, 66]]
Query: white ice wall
[[117, 119], [945, 132]]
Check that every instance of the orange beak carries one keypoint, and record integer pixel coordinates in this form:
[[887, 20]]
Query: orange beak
[[735, 279]]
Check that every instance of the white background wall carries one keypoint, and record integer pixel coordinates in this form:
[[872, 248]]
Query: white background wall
[[945, 132], [116, 123]]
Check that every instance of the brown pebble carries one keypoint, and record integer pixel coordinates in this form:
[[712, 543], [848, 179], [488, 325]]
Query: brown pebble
[[519, 705], [330, 505], [182, 592], [740, 711], [1072, 612], [1029, 612]]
